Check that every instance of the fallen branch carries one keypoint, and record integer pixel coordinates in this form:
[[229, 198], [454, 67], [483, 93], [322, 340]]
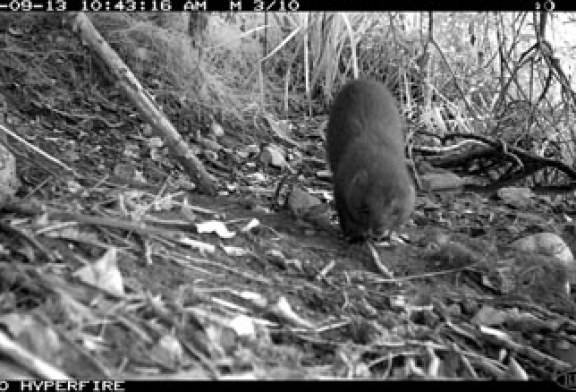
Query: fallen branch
[[143, 102]]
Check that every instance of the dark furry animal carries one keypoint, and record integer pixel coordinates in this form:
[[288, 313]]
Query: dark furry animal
[[365, 146]]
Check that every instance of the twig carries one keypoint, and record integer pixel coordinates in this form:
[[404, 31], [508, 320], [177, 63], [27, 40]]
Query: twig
[[36, 149], [529, 352], [229, 269], [29, 361], [33, 241], [381, 267]]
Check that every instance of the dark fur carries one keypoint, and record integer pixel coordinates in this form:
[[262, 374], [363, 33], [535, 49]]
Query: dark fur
[[365, 145]]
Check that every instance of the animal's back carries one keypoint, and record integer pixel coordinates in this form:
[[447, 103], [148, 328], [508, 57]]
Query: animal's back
[[365, 144], [363, 109]]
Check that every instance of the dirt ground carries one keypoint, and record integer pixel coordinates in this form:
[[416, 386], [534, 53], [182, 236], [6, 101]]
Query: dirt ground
[[120, 270]]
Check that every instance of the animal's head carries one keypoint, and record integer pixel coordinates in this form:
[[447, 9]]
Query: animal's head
[[378, 204]]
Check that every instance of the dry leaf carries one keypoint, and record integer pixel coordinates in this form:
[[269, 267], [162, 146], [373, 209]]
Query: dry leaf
[[203, 247], [104, 273], [243, 326], [301, 202], [186, 211], [272, 155], [252, 224], [74, 187], [283, 311], [9, 182], [516, 372], [235, 251], [517, 196], [216, 129], [488, 316], [256, 177], [155, 142], [215, 227], [168, 351], [548, 244]]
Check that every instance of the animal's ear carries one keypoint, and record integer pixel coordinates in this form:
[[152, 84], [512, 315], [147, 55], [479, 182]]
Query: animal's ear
[[356, 188], [359, 179]]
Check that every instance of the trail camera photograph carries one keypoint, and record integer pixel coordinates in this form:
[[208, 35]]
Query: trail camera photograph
[[287, 195]]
